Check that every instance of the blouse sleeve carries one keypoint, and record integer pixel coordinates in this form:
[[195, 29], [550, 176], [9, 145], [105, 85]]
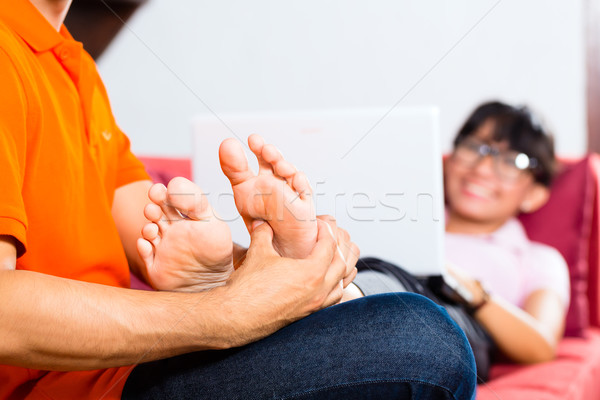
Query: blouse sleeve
[[547, 270]]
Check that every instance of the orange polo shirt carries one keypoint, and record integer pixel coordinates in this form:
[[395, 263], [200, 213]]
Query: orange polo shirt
[[61, 158]]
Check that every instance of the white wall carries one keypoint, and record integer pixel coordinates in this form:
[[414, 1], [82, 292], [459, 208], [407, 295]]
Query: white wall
[[180, 58]]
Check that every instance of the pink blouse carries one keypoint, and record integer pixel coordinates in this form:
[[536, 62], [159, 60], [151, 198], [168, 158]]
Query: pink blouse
[[509, 264]]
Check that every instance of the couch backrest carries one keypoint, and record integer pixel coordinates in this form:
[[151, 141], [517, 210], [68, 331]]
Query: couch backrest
[[569, 222]]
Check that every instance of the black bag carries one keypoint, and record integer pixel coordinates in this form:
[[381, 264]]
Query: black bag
[[481, 343]]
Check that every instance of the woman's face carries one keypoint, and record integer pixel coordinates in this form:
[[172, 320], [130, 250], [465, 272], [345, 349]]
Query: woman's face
[[482, 191]]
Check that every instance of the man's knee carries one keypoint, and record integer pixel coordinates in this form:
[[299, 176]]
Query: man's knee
[[416, 333]]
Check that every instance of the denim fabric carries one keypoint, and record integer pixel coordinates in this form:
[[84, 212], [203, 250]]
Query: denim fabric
[[390, 346]]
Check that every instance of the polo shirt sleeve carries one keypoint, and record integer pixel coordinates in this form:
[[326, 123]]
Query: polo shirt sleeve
[[130, 169], [13, 141], [547, 269]]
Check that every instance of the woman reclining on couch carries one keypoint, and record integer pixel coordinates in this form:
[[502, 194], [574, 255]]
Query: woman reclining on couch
[[502, 164]]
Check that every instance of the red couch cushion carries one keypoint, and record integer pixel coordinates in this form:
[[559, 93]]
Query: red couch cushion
[[565, 223], [162, 169], [573, 375]]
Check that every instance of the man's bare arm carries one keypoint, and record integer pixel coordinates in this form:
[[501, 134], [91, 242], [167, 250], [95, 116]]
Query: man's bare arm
[[8, 253], [59, 324], [54, 323]]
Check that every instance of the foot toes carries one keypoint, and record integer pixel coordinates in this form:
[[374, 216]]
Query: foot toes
[[284, 169], [188, 198], [155, 214], [233, 161], [301, 185], [271, 154], [150, 233], [158, 195], [146, 252], [256, 144], [281, 166]]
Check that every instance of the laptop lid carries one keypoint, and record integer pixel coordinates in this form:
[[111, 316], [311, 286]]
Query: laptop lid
[[378, 172]]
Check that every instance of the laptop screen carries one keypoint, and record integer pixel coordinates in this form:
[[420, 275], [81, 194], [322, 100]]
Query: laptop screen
[[378, 172]]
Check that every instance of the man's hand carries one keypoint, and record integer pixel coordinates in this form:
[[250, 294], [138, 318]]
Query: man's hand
[[348, 250], [269, 291]]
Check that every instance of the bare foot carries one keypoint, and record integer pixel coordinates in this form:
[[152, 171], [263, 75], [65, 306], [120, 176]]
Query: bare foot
[[185, 246], [279, 195]]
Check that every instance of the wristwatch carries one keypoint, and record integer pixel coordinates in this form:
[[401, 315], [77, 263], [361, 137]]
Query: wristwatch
[[485, 297]]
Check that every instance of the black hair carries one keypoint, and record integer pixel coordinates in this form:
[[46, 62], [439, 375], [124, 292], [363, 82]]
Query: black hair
[[518, 127]]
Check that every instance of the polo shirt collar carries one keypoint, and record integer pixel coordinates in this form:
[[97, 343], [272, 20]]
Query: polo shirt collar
[[511, 235], [27, 22]]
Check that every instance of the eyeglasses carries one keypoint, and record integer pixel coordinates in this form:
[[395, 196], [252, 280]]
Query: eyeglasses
[[508, 165]]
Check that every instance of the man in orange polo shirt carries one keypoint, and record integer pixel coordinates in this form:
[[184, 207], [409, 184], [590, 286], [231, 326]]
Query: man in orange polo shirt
[[71, 201]]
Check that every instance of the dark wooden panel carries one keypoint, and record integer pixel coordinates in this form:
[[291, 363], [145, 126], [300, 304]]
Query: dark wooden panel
[[94, 24]]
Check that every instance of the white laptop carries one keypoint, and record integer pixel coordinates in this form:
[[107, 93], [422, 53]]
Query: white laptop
[[379, 172]]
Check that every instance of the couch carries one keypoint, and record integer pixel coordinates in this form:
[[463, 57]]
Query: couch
[[570, 222]]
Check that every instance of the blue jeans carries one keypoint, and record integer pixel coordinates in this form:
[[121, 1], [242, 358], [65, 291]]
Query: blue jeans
[[389, 346]]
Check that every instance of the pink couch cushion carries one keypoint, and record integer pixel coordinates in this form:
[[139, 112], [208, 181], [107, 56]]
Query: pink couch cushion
[[162, 169], [573, 375], [565, 223]]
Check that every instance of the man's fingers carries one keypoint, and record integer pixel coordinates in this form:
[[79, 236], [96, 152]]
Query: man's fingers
[[353, 255], [334, 296], [336, 272], [342, 237], [326, 244], [349, 278], [331, 222], [350, 253], [343, 241]]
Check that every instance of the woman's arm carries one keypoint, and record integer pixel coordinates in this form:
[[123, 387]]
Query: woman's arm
[[528, 335]]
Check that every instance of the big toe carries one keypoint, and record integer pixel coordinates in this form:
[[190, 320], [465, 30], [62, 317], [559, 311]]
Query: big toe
[[158, 193], [234, 162], [158, 196], [188, 198]]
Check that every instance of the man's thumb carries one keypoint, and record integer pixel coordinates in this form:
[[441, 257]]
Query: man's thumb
[[262, 235]]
